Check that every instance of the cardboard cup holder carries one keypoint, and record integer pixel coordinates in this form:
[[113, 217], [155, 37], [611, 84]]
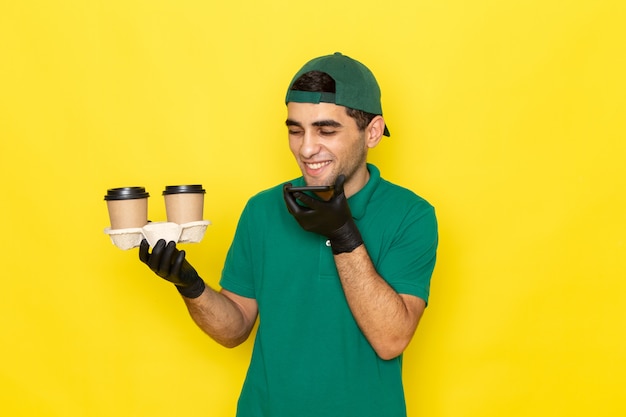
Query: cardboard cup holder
[[191, 232]]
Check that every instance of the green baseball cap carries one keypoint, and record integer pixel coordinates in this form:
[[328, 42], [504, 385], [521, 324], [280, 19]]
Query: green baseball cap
[[355, 85]]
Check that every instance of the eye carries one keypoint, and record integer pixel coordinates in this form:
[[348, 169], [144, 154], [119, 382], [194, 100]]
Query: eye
[[294, 132], [327, 132]]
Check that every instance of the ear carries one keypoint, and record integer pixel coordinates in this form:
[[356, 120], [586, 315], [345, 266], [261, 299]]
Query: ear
[[375, 131]]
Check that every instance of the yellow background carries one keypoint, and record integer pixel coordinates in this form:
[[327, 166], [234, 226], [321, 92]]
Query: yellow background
[[508, 116]]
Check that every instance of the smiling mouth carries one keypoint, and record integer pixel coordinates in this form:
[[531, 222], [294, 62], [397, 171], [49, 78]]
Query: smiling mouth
[[317, 165]]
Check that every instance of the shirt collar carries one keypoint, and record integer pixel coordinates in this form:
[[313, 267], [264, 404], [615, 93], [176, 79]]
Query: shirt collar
[[359, 201]]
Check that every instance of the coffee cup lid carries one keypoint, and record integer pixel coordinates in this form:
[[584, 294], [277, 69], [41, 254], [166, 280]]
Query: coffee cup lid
[[126, 193], [182, 189]]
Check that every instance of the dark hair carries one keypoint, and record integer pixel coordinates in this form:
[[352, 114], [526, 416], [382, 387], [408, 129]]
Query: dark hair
[[318, 81]]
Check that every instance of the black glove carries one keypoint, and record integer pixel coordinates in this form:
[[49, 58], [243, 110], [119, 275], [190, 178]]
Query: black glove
[[331, 218], [169, 263]]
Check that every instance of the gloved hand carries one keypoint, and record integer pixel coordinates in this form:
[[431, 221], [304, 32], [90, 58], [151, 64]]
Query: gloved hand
[[331, 218], [169, 263]]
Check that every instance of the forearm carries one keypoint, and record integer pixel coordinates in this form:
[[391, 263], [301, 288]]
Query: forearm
[[220, 317], [387, 319]]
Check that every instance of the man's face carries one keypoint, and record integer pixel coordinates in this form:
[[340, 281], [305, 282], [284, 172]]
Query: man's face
[[326, 142]]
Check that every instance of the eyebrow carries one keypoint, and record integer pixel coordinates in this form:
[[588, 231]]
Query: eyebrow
[[319, 123], [290, 122]]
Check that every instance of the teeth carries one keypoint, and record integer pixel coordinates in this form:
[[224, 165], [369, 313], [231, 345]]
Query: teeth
[[318, 165]]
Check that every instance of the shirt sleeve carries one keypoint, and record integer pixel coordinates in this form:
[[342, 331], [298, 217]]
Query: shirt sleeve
[[237, 275], [410, 260]]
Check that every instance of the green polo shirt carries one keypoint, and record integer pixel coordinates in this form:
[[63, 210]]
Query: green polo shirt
[[310, 359]]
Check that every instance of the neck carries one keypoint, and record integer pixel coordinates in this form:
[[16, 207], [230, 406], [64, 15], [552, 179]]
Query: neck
[[357, 181]]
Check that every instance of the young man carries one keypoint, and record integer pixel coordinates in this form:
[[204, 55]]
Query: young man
[[338, 280]]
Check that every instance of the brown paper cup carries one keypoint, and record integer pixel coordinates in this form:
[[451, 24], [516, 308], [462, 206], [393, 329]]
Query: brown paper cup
[[128, 207], [184, 203]]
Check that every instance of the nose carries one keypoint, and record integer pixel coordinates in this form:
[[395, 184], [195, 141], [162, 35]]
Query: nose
[[309, 146]]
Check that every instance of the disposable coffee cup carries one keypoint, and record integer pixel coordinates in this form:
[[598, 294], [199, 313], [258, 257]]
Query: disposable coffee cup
[[184, 203], [128, 207]]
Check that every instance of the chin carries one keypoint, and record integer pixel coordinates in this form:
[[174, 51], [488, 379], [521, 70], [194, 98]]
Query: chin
[[318, 181]]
